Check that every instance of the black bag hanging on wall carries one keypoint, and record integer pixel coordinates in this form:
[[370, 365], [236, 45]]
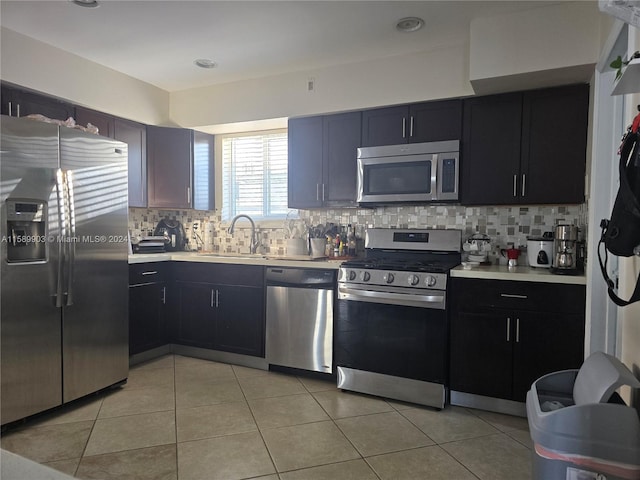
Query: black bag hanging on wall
[[621, 234]]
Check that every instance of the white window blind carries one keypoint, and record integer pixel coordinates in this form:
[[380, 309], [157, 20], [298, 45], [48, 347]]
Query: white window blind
[[254, 170]]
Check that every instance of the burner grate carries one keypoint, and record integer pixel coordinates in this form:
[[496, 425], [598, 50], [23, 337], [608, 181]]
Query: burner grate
[[404, 265]]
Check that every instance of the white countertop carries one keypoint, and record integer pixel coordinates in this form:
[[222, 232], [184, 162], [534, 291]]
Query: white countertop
[[489, 272], [302, 261], [519, 273]]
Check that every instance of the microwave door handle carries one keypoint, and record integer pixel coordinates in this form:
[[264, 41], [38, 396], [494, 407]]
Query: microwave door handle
[[434, 176]]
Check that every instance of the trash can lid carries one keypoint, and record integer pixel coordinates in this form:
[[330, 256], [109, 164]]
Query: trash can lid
[[601, 375]]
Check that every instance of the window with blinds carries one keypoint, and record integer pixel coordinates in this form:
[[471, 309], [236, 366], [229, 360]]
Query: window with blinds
[[254, 175]]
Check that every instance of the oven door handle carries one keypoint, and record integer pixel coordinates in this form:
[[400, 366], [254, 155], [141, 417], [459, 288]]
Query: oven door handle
[[389, 298]]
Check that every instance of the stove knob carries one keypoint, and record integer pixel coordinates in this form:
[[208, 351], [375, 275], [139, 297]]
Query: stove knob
[[413, 279], [388, 277], [430, 281], [365, 276], [351, 275]]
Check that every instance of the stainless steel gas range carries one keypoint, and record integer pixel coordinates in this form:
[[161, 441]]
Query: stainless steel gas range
[[391, 327]]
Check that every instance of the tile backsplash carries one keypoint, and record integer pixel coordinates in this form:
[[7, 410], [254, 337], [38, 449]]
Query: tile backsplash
[[504, 225]]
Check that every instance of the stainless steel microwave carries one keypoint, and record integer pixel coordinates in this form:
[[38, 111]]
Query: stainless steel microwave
[[411, 173]]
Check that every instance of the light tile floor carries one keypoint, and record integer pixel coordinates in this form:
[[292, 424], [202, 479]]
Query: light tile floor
[[187, 419]]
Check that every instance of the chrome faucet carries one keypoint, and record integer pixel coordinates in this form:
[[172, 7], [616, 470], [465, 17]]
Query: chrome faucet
[[254, 241]]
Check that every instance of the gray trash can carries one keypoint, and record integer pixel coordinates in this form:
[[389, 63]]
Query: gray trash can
[[581, 428]]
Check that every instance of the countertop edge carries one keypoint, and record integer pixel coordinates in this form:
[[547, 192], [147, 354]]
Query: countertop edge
[[518, 274], [491, 272], [200, 258]]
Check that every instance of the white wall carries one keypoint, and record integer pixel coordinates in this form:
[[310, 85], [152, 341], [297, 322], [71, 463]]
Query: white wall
[[566, 44], [601, 325], [439, 73], [553, 42], [36, 65], [615, 330], [629, 316]]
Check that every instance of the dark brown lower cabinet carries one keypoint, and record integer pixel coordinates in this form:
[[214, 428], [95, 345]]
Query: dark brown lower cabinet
[[195, 315], [239, 326], [505, 335], [221, 316], [147, 307]]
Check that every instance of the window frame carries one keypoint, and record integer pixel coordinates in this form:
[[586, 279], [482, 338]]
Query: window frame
[[221, 200]]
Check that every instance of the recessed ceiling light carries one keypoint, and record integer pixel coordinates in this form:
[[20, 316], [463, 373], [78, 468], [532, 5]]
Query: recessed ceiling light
[[205, 63], [410, 24], [86, 3]]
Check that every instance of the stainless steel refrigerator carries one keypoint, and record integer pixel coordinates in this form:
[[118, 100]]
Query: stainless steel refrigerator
[[64, 290]]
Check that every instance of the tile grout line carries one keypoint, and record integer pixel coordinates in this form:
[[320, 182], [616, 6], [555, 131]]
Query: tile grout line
[[439, 444], [273, 463], [175, 413], [93, 425], [340, 430], [308, 391]]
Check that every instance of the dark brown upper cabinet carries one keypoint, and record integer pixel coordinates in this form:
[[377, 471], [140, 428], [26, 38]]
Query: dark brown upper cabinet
[[341, 139], [419, 122], [17, 102], [103, 121], [169, 167], [526, 147], [171, 153], [135, 136], [323, 159], [554, 145], [491, 149]]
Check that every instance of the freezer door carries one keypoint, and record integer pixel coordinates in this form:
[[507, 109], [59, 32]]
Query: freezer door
[[29, 322], [95, 313]]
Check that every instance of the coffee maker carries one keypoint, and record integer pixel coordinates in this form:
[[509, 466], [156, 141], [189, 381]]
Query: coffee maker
[[567, 251]]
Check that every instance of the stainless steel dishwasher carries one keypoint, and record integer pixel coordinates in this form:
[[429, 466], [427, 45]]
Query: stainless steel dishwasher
[[300, 318]]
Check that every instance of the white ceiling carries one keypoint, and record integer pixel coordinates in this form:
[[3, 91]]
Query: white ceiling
[[157, 41]]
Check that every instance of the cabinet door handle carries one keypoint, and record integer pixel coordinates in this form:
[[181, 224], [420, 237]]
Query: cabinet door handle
[[513, 295], [517, 330], [524, 181], [164, 295], [318, 192], [10, 112], [404, 127], [515, 185], [18, 110], [188, 195], [323, 192], [508, 329], [411, 126], [215, 298], [151, 272]]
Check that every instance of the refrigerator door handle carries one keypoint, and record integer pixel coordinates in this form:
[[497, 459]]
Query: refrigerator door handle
[[62, 233], [72, 239]]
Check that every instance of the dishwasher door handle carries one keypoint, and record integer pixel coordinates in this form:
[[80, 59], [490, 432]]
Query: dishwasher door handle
[[312, 286]]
